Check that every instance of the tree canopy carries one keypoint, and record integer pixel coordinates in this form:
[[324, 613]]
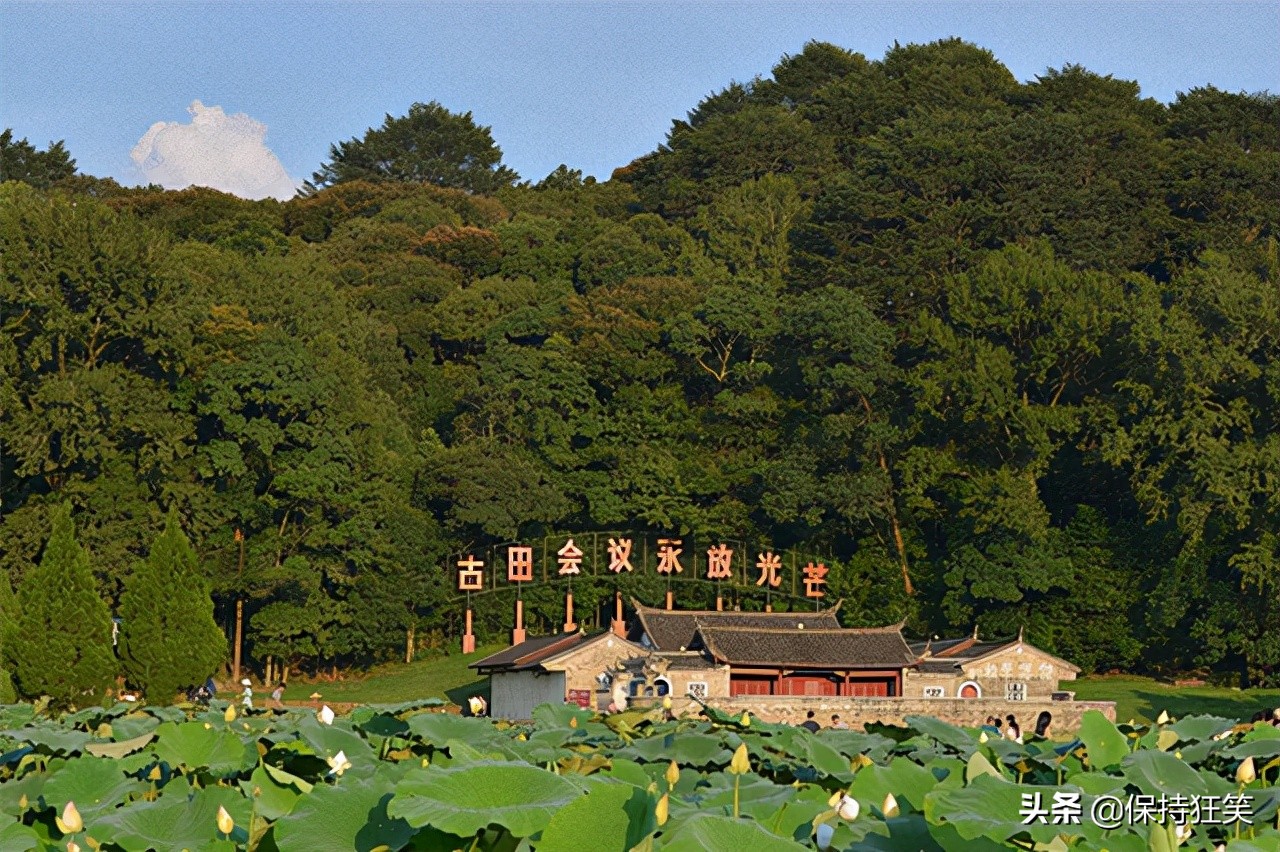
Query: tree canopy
[[1006, 352], [429, 145]]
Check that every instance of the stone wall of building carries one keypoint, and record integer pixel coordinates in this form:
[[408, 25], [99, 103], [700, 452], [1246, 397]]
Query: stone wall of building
[[581, 665], [857, 712]]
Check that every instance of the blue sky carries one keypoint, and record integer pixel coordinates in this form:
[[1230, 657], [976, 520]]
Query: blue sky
[[590, 85]]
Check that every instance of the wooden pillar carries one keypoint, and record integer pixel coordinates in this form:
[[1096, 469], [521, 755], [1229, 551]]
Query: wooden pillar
[[777, 686], [719, 603], [619, 626], [569, 625], [670, 601], [518, 632], [468, 638]]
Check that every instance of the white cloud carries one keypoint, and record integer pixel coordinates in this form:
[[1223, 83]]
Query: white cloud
[[215, 150]]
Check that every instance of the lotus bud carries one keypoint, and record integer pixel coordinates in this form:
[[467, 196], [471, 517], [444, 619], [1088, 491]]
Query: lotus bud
[[225, 823], [1182, 833], [673, 773], [982, 737], [1178, 755], [72, 846], [824, 834], [208, 727], [666, 702], [573, 723], [23, 802], [889, 807], [1245, 772], [70, 822], [155, 774], [325, 715], [745, 721], [849, 808], [230, 713], [663, 810], [834, 801], [339, 764], [1163, 718], [741, 764]]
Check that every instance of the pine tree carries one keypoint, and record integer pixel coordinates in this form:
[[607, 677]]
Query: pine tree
[[168, 637], [61, 643], [8, 611]]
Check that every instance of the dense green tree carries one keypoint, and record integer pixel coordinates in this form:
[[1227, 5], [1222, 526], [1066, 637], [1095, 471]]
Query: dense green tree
[[429, 145], [168, 638], [61, 642], [22, 161]]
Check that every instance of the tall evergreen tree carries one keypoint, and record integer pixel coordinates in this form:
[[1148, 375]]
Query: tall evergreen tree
[[8, 610], [61, 644], [168, 638]]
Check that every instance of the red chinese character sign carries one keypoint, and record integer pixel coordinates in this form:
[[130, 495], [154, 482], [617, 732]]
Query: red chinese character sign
[[519, 570], [815, 580], [608, 556], [470, 579], [620, 555], [719, 567], [570, 559]]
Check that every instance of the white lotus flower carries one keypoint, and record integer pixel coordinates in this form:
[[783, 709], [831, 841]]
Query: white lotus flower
[[225, 823], [824, 834], [1163, 718], [339, 764], [890, 806], [849, 808], [1182, 833], [70, 822], [325, 715], [982, 737], [1246, 772]]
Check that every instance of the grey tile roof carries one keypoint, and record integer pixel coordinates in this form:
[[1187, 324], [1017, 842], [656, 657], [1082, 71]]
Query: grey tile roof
[[530, 653], [673, 630], [866, 648]]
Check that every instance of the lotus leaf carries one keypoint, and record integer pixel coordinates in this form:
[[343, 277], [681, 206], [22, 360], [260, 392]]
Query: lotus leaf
[[990, 807], [16, 837], [686, 748], [133, 725], [1197, 728], [612, 816], [95, 784], [438, 728], [345, 815], [174, 821], [947, 734], [559, 715], [194, 746], [908, 782], [1159, 772], [464, 799], [119, 749], [710, 833], [51, 739], [1103, 742]]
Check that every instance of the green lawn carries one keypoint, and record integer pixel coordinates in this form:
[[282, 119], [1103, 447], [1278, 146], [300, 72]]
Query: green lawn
[[442, 676], [1142, 698]]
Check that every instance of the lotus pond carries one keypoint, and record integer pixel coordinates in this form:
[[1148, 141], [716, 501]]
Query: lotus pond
[[410, 777]]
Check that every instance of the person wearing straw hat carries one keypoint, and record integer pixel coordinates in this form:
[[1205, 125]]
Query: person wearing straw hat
[[246, 697]]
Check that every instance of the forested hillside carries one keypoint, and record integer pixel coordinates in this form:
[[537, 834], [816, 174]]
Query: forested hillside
[[1009, 352]]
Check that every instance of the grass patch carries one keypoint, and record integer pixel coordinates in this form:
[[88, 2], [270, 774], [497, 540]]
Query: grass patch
[[1142, 698], [443, 676]]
